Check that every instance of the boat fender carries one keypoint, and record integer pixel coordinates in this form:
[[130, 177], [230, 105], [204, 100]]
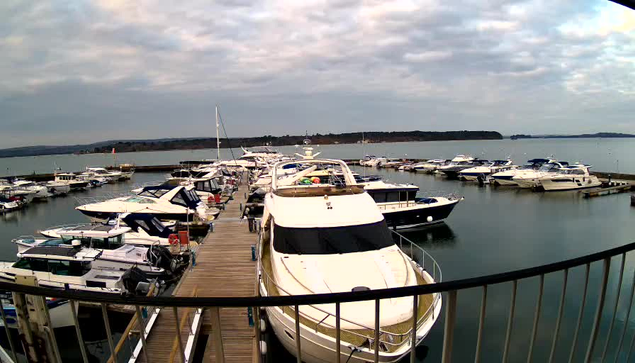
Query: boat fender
[[263, 347], [429, 219], [263, 325], [173, 239]]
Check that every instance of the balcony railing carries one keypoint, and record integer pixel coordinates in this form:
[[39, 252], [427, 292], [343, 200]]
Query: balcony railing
[[613, 342]]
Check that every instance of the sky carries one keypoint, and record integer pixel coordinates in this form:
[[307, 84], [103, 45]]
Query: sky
[[74, 72]]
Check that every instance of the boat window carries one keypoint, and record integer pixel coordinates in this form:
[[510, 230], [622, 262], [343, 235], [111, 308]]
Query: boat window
[[142, 224], [333, 240], [67, 268], [154, 193], [139, 200], [22, 263], [379, 197], [392, 197], [33, 264]]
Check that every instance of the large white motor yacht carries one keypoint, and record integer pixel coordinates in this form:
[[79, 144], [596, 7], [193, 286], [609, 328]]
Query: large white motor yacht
[[165, 202], [570, 178], [506, 177], [329, 236], [483, 171], [531, 178]]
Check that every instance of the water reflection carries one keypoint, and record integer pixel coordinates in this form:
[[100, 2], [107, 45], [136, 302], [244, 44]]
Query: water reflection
[[437, 235]]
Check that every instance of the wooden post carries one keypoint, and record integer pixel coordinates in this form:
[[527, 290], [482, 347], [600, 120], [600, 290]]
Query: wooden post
[[34, 324]]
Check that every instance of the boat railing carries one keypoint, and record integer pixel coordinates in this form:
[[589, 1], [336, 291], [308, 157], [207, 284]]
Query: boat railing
[[606, 332]]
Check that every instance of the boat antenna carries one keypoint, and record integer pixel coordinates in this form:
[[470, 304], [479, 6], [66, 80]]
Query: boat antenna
[[220, 118], [217, 136]]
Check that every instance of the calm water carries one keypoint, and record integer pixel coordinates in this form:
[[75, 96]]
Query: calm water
[[604, 154], [492, 230]]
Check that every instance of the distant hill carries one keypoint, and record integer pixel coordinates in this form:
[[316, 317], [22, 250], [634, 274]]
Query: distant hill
[[607, 135], [205, 143]]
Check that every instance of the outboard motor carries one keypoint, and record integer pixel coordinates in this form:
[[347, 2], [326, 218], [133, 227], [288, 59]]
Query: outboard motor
[[135, 281], [161, 257]]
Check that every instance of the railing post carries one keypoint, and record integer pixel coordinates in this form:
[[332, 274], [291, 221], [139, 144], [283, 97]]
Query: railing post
[[298, 345], [626, 320], [143, 332], [6, 330], [415, 315], [510, 321], [448, 332], [534, 331], [78, 331], [338, 348], [617, 301], [377, 327], [580, 314], [598, 313], [481, 324], [178, 333], [111, 344], [560, 311], [217, 333]]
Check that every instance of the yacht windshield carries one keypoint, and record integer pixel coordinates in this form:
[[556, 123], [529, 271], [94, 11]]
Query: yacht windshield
[[549, 167], [333, 240]]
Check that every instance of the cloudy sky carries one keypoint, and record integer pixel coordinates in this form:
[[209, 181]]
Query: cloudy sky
[[82, 71]]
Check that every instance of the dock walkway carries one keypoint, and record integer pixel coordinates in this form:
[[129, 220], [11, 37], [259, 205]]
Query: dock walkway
[[223, 268]]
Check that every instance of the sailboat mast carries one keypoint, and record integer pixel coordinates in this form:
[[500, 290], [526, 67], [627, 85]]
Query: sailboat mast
[[217, 136]]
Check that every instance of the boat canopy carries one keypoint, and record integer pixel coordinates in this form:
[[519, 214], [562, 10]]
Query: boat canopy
[[148, 222], [332, 240]]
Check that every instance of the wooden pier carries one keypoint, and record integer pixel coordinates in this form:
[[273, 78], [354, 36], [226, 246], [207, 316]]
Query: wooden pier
[[610, 188], [224, 267]]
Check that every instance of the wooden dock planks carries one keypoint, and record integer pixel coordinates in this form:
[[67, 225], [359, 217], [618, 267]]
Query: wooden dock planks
[[223, 268]]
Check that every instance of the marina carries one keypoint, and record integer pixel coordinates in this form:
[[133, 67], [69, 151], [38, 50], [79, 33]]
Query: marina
[[225, 263]]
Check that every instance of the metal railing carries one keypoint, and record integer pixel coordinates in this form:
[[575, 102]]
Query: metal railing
[[599, 341]]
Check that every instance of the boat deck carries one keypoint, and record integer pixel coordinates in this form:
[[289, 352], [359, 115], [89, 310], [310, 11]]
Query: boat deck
[[223, 268]]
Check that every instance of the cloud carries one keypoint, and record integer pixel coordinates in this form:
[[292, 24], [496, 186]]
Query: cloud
[[152, 67]]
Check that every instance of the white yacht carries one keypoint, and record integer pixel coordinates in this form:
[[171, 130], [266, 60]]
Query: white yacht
[[458, 163], [401, 207], [331, 237], [145, 230], [165, 202], [483, 171], [429, 166], [570, 178], [38, 192], [110, 175], [254, 157], [8, 205], [110, 240], [69, 179], [506, 177], [72, 269], [531, 178]]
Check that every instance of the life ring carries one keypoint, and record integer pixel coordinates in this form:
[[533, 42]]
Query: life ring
[[210, 199], [173, 239]]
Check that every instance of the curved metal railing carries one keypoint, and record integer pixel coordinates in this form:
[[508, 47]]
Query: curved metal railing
[[450, 288]]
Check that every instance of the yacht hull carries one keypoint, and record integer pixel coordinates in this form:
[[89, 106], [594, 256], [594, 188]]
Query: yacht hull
[[418, 216], [505, 180], [569, 184], [320, 348]]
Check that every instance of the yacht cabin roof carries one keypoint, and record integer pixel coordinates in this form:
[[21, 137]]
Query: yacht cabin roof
[[94, 231], [65, 253]]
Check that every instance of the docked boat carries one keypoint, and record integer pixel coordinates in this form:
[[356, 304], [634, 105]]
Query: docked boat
[[483, 171], [36, 191], [403, 210], [165, 202], [72, 269], [110, 240], [145, 230], [570, 178], [72, 181], [531, 178], [506, 177], [109, 175], [429, 166], [8, 205], [338, 243], [456, 165]]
